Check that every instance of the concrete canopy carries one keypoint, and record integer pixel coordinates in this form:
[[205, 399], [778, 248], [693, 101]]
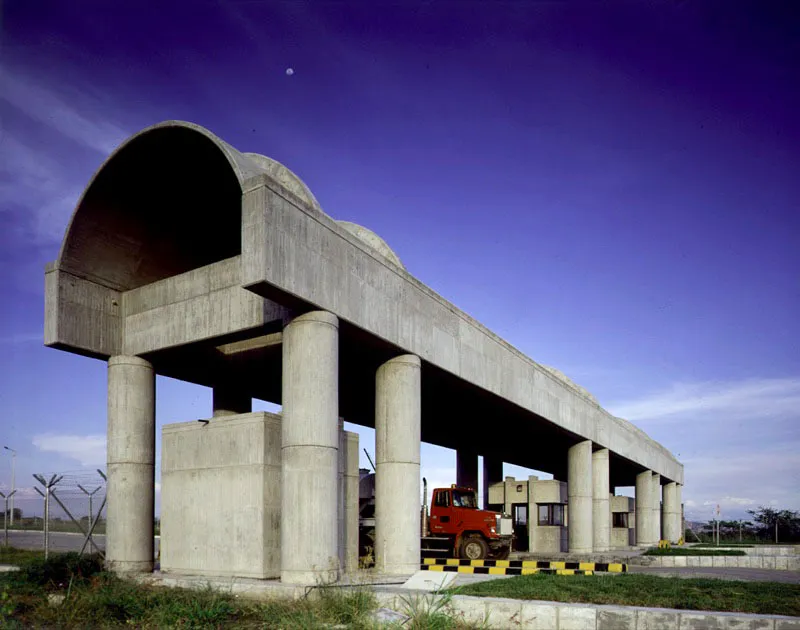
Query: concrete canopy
[[191, 254]]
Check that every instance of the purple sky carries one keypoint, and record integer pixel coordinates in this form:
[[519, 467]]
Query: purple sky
[[610, 186]]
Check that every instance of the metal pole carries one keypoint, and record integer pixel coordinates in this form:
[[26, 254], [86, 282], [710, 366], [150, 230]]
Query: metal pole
[[13, 479], [5, 519], [8, 496]]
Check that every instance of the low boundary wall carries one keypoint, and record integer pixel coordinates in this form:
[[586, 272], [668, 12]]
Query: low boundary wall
[[774, 563], [537, 615]]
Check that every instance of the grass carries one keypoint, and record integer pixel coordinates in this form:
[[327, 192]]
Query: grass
[[58, 526], [12, 555], [692, 551], [771, 598], [93, 598]]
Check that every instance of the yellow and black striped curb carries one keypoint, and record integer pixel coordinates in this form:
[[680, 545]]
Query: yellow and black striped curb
[[520, 567], [501, 570]]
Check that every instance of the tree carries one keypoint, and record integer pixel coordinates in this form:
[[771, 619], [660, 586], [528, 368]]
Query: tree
[[782, 524]]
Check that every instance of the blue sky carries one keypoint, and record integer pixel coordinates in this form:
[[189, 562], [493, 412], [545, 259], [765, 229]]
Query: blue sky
[[611, 187]]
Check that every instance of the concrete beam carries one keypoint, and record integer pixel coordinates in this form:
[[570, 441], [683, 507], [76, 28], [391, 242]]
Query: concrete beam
[[248, 345], [601, 508], [579, 488], [227, 400], [398, 421], [310, 450], [131, 453], [385, 301]]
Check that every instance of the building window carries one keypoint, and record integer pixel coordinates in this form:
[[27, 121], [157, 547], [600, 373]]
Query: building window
[[619, 519], [551, 513]]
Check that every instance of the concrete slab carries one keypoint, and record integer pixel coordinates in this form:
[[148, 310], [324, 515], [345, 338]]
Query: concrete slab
[[616, 618], [701, 621], [577, 617], [657, 619], [504, 613], [539, 615], [430, 581]]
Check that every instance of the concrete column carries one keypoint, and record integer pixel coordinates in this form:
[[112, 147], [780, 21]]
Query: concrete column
[[671, 513], [348, 526], [310, 450], [492, 473], [579, 492], [467, 469], [656, 521], [398, 418], [230, 401], [679, 515], [644, 509], [601, 506], [131, 458]]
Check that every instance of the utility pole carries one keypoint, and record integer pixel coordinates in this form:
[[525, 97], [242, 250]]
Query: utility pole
[[13, 480]]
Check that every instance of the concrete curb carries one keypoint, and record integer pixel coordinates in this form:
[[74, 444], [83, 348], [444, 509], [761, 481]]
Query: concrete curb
[[767, 562], [541, 615]]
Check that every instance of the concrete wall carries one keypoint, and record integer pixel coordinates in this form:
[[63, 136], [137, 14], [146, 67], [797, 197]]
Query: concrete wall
[[546, 538], [623, 537], [506, 493], [343, 275], [220, 496]]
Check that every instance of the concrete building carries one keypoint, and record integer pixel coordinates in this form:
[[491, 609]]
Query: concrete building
[[540, 510], [187, 258]]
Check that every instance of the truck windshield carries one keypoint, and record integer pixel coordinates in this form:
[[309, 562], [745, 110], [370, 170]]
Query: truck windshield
[[464, 499]]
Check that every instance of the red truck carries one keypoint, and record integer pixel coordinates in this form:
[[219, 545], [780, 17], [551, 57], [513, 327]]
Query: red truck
[[455, 527], [458, 528]]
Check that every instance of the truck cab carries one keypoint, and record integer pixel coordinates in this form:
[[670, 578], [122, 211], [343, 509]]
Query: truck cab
[[474, 533]]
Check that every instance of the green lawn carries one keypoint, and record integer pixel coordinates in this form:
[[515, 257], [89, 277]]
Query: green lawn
[[692, 551], [12, 555], [95, 599], [772, 598]]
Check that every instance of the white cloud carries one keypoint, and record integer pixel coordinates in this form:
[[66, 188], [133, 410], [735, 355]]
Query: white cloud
[[89, 450], [80, 123], [21, 338], [749, 398]]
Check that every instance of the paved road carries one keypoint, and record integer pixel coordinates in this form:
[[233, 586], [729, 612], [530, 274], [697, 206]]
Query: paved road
[[724, 573], [59, 541]]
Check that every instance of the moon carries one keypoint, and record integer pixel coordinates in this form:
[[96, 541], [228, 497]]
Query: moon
[[289, 72]]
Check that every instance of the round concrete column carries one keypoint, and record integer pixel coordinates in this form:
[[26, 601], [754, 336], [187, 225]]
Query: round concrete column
[[230, 401], [467, 469], [671, 513], [601, 508], [656, 520], [579, 490], [679, 510], [492, 474], [131, 458], [310, 450], [644, 509], [398, 415]]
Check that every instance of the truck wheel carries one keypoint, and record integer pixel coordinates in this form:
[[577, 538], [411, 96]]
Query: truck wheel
[[474, 548], [503, 553]]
